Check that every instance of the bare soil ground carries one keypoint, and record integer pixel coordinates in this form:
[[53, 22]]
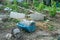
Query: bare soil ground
[[37, 35]]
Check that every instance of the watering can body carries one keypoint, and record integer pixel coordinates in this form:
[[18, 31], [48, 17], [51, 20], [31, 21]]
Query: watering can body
[[28, 28]]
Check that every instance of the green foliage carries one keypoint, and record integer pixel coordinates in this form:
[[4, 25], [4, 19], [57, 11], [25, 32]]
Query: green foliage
[[36, 3], [1, 8], [15, 2], [8, 4], [51, 27], [40, 7], [13, 20], [46, 8], [52, 10], [25, 4], [15, 6], [58, 9]]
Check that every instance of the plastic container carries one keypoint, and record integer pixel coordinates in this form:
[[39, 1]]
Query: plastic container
[[37, 16], [17, 15]]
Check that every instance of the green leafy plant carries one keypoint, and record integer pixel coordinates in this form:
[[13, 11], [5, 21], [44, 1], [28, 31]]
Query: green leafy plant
[[7, 3], [25, 4], [1, 8], [15, 6], [40, 7], [58, 9], [52, 10], [36, 3]]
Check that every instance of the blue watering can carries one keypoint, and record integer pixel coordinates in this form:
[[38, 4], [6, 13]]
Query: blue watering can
[[29, 28]]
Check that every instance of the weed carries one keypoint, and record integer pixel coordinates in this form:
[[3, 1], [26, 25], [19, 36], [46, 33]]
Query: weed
[[15, 6], [52, 10], [41, 7], [25, 4], [51, 27], [8, 3]]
